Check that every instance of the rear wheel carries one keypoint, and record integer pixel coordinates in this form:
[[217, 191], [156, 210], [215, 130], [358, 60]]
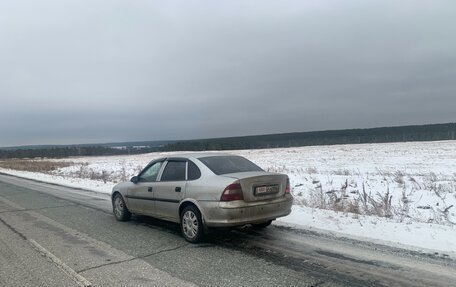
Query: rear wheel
[[119, 208], [191, 224], [262, 225]]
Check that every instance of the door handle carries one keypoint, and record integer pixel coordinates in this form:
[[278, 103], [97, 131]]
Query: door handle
[[177, 189], [149, 189]]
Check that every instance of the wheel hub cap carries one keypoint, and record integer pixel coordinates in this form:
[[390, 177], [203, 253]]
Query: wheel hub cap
[[118, 207], [190, 224]]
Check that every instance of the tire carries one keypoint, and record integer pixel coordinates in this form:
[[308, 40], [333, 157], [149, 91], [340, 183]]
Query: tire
[[192, 227], [119, 208], [262, 225]]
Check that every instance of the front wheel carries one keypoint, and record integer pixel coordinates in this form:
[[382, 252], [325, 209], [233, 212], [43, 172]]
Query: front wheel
[[119, 208], [191, 224]]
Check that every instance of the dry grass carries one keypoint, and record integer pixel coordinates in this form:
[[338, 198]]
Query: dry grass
[[43, 166], [312, 170], [399, 178], [389, 194], [83, 170], [360, 202], [344, 172]]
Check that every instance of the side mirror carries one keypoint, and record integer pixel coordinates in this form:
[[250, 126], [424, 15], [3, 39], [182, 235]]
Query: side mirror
[[135, 179]]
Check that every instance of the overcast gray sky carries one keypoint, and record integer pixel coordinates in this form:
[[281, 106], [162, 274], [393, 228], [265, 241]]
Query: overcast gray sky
[[101, 71]]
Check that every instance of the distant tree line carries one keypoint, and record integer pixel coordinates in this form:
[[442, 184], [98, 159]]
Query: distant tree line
[[353, 136], [69, 151]]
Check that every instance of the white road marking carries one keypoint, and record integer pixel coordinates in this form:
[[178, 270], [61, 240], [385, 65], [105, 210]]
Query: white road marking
[[137, 269], [81, 281]]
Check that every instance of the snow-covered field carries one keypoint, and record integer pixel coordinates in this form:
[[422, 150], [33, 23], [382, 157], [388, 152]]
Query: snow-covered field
[[392, 193]]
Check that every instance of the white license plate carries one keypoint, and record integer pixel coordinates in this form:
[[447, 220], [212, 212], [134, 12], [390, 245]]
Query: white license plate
[[266, 189]]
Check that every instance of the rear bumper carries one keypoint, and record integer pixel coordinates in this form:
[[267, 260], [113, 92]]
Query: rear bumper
[[235, 213]]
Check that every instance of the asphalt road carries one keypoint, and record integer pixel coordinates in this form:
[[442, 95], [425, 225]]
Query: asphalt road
[[58, 236]]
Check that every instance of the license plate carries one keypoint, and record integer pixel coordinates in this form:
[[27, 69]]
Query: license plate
[[266, 189]]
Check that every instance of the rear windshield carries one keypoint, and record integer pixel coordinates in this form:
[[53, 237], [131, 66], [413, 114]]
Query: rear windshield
[[229, 164]]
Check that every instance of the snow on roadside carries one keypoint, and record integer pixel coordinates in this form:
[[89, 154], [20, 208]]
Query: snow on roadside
[[422, 237], [87, 184]]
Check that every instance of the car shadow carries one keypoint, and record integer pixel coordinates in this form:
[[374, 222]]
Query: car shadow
[[216, 236], [158, 224]]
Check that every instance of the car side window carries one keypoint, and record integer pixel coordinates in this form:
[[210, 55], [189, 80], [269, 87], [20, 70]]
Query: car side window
[[151, 173], [174, 171], [193, 171]]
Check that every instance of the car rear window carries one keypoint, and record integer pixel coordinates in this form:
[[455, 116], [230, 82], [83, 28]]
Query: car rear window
[[229, 164]]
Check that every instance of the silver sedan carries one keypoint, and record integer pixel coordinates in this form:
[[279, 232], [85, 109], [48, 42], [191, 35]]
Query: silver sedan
[[204, 190]]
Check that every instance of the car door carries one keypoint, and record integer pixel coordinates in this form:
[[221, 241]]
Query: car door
[[170, 189], [141, 195]]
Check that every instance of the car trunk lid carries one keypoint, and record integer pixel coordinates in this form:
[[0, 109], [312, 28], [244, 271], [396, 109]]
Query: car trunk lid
[[257, 186]]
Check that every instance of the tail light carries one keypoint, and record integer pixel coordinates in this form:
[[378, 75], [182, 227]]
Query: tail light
[[232, 192], [287, 187]]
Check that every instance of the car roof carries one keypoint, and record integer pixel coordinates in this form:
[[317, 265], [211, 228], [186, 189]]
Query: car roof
[[199, 154]]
